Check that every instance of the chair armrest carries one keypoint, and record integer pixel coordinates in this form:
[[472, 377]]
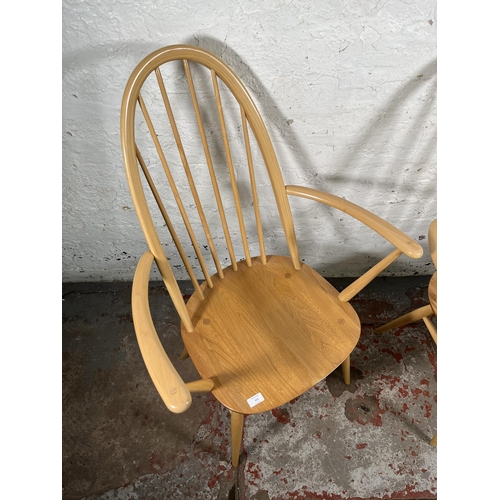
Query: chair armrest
[[167, 381], [399, 239]]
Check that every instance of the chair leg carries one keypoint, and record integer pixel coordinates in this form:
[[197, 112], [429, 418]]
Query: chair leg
[[184, 354], [411, 317], [432, 329], [236, 435], [434, 440], [346, 370]]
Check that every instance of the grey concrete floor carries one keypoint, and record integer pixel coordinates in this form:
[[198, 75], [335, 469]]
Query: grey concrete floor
[[363, 441]]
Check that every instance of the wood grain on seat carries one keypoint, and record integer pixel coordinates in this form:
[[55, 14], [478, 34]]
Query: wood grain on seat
[[268, 329]]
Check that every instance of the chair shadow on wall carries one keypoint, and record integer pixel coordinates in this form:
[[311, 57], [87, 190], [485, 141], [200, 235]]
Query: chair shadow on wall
[[344, 172]]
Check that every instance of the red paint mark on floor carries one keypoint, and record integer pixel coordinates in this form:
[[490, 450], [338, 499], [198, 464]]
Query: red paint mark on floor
[[428, 409], [404, 393], [396, 355], [393, 381], [361, 446], [417, 392], [304, 494], [212, 482], [377, 419], [254, 470], [281, 415], [432, 359], [401, 468]]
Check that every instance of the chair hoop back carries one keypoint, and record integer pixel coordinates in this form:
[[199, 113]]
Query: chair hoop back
[[136, 164]]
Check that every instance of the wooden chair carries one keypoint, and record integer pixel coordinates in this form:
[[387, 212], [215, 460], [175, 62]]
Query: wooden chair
[[426, 312], [262, 330]]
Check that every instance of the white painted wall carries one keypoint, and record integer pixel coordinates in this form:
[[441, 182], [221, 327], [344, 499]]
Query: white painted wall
[[347, 89]]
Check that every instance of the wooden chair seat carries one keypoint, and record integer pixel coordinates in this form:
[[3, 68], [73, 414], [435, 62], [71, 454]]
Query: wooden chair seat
[[268, 329]]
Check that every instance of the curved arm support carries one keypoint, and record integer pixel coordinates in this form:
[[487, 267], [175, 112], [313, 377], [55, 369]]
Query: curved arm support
[[399, 239], [167, 381], [202, 385], [356, 286]]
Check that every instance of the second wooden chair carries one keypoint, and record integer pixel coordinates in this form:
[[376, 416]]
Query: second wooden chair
[[426, 312]]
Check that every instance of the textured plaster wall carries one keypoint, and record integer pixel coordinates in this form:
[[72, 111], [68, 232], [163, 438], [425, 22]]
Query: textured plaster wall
[[346, 88]]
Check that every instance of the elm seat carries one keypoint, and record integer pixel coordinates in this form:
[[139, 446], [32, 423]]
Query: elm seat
[[296, 332], [265, 328]]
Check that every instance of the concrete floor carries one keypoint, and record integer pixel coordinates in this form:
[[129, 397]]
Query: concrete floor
[[364, 441]]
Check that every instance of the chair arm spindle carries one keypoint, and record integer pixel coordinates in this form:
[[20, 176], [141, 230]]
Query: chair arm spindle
[[402, 242], [356, 286]]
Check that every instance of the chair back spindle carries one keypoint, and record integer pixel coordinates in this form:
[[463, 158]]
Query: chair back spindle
[[210, 165], [231, 168], [255, 197], [187, 170]]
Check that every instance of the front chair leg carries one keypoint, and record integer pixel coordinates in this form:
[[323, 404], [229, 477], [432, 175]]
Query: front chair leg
[[236, 435], [346, 370], [434, 440], [184, 354]]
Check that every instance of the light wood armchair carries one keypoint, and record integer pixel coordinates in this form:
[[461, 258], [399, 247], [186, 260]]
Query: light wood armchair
[[263, 330]]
